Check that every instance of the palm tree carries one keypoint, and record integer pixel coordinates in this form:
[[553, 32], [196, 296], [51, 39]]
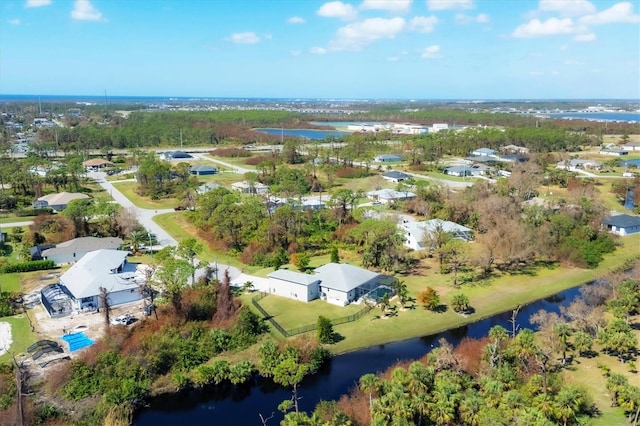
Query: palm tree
[[370, 383], [136, 239], [562, 330]]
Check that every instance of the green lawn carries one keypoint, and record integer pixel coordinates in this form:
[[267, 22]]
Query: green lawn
[[236, 161], [10, 282], [128, 189], [21, 334]]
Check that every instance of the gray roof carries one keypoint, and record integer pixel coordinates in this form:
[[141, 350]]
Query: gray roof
[[62, 198], [83, 245], [202, 168], [394, 174], [622, 221], [294, 277], [343, 277], [390, 194], [100, 269]]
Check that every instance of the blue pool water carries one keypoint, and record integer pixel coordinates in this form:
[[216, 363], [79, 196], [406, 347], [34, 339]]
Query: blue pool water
[[77, 341]]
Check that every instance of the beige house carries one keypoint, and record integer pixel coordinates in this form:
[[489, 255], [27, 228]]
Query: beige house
[[57, 202]]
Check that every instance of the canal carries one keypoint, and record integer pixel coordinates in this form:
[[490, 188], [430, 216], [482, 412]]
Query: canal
[[241, 405]]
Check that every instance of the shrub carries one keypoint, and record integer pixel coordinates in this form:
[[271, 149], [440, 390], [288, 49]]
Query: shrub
[[32, 265], [231, 152], [352, 173]]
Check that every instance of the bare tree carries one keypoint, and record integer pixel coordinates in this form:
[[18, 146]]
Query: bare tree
[[105, 304]]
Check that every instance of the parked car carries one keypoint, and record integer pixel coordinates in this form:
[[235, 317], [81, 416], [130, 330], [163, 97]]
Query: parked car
[[125, 319]]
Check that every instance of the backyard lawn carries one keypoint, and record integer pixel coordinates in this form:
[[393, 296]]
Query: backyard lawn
[[21, 334]]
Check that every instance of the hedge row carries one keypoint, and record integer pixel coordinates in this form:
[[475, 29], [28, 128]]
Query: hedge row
[[34, 265]]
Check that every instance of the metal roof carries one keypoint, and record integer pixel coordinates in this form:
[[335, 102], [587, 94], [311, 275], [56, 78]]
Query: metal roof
[[343, 277], [294, 277]]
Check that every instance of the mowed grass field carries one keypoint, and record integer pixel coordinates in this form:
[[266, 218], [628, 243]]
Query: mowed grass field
[[128, 189]]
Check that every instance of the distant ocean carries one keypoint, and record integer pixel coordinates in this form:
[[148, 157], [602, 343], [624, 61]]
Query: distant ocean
[[631, 117]]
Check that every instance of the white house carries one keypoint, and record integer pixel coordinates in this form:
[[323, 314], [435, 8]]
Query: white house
[[622, 224], [614, 151], [387, 196], [294, 285], [485, 152], [415, 232], [247, 188], [387, 158], [102, 269], [578, 164], [631, 146], [73, 250], [337, 283], [58, 202], [395, 176]]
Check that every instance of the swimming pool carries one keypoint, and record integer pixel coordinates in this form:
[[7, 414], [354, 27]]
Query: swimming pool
[[77, 341]]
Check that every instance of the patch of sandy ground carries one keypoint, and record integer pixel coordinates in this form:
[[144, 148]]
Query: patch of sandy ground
[[47, 328]]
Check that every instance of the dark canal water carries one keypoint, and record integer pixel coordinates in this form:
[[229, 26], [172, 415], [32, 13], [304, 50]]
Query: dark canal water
[[242, 405]]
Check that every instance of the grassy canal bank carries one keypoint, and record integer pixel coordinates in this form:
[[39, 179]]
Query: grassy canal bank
[[500, 293]]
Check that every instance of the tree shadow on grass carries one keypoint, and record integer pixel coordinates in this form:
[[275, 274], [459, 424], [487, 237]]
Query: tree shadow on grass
[[336, 337], [441, 309]]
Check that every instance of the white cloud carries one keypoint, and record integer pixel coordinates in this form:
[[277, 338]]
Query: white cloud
[[481, 18], [337, 9], [552, 26], [244, 38], [393, 58], [14, 21], [573, 62], [618, 13], [37, 3], [423, 24], [318, 50], [400, 6], [296, 20], [431, 52], [567, 7], [295, 53], [83, 10], [585, 37], [357, 35], [554, 72], [449, 4], [536, 73]]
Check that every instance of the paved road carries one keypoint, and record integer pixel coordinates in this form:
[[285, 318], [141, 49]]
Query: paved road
[[12, 224], [144, 216]]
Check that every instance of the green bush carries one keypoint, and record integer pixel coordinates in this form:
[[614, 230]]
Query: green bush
[[33, 212], [32, 265]]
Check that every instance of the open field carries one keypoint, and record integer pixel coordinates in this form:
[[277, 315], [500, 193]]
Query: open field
[[14, 219], [21, 334], [128, 189]]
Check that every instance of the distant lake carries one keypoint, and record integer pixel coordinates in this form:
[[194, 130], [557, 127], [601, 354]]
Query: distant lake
[[599, 116], [304, 133]]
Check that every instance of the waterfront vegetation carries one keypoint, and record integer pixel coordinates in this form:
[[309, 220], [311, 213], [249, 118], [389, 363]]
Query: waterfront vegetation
[[206, 335]]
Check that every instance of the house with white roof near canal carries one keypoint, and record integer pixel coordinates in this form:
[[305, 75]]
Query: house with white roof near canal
[[98, 269], [337, 283]]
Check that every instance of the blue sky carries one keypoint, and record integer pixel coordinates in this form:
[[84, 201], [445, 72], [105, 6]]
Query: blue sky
[[375, 49]]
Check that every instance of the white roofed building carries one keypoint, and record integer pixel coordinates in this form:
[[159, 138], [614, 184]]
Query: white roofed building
[[107, 269]]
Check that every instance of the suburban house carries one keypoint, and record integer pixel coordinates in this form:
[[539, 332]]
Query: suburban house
[[98, 269], [202, 170], [485, 152], [395, 176], [337, 283], [175, 155], [464, 170], [250, 188], [206, 187], [387, 196], [614, 151], [578, 164], [515, 149], [631, 146], [622, 224], [57, 202], [73, 250], [387, 158], [96, 163], [415, 232]]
